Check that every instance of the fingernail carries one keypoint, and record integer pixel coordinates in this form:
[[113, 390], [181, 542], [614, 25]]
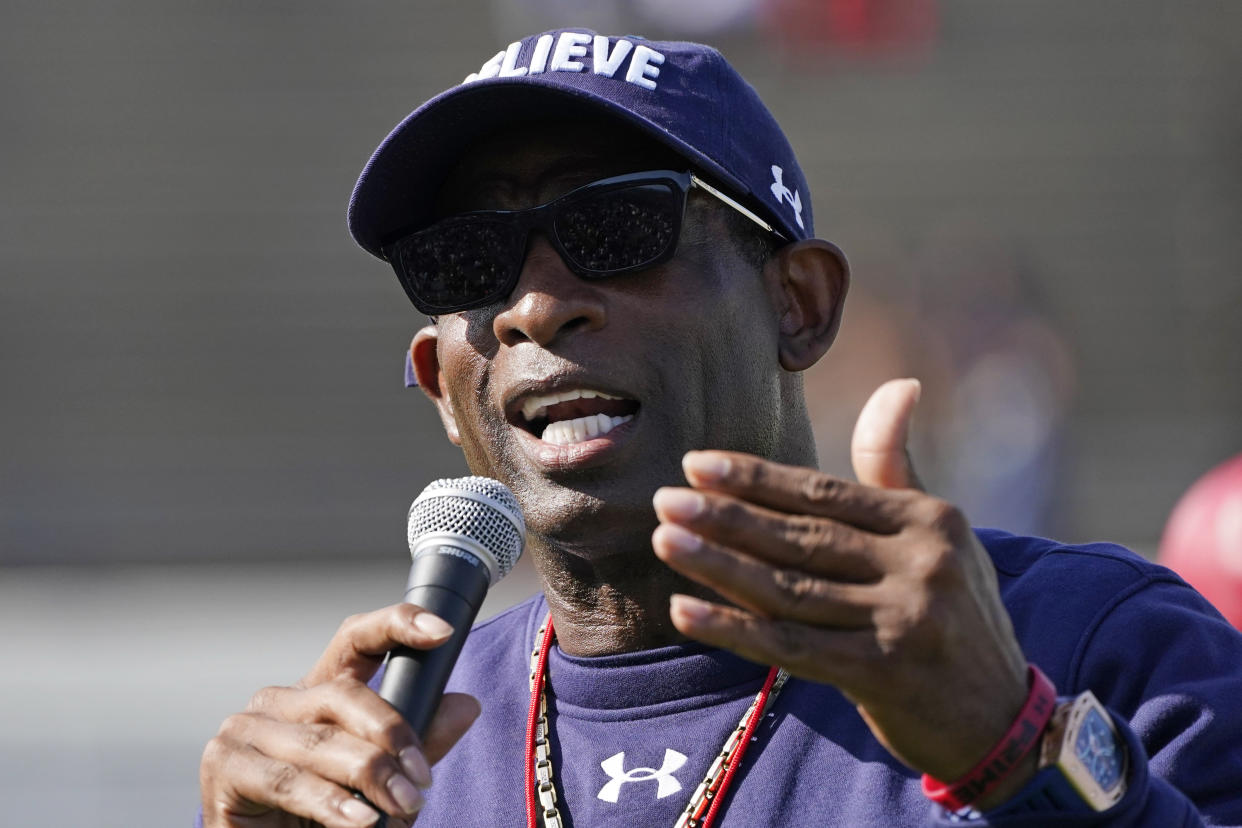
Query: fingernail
[[682, 540], [415, 766], [432, 625], [706, 466], [358, 812], [679, 504], [917, 386], [692, 608], [407, 796]]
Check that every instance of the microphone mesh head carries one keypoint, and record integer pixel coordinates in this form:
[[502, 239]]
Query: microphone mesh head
[[478, 508]]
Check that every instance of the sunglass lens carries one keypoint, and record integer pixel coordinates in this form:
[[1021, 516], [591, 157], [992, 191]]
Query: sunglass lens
[[458, 263], [620, 229]]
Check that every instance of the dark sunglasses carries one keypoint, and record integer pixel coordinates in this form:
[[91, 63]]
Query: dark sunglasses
[[605, 228]]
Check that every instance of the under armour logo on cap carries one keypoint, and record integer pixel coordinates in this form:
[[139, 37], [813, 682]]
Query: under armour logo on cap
[[614, 766], [783, 193]]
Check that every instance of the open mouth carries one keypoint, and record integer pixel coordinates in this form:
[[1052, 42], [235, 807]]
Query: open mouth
[[572, 416]]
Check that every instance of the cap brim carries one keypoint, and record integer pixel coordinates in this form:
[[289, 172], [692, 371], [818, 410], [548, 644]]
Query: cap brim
[[398, 186]]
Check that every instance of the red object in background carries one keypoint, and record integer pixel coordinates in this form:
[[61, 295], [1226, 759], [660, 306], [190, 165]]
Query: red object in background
[[1203, 539], [866, 26]]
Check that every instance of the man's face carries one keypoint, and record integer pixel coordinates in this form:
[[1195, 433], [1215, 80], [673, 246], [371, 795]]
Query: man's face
[[680, 356]]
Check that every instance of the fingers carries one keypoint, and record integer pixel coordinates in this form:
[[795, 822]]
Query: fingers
[[878, 448], [812, 544], [306, 750], [328, 753], [885, 593], [346, 705], [341, 731], [795, 490], [256, 783], [797, 565], [768, 591], [359, 646]]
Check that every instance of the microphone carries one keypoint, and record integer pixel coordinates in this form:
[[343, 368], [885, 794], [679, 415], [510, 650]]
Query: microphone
[[465, 534]]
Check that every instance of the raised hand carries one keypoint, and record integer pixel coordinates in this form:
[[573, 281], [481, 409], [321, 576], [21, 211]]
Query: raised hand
[[874, 587], [295, 755]]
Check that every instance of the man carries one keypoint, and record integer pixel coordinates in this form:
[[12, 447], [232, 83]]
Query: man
[[615, 244]]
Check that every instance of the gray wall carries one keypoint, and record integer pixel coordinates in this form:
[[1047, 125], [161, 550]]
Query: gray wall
[[197, 363]]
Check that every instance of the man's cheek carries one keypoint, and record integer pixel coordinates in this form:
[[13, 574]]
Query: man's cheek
[[484, 443]]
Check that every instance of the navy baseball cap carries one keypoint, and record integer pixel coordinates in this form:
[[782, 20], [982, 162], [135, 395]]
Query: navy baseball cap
[[684, 95]]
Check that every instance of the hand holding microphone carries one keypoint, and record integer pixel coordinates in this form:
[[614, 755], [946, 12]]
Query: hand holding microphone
[[465, 535], [301, 751]]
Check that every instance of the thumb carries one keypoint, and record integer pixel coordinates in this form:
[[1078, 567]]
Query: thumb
[[878, 449]]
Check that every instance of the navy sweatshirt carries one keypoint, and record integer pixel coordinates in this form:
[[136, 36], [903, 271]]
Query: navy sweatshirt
[[635, 733]]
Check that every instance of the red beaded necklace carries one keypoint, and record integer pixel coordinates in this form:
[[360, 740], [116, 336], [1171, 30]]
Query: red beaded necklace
[[704, 805]]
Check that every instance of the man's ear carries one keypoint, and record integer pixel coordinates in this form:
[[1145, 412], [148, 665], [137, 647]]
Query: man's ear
[[808, 281], [426, 362]]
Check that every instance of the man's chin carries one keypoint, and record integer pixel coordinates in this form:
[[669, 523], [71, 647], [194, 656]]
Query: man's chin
[[594, 518]]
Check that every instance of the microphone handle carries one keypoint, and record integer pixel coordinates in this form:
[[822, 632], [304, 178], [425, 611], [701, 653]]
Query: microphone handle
[[452, 584]]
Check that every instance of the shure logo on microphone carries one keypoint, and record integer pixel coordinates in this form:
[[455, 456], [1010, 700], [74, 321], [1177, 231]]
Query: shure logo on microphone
[[460, 553], [560, 53]]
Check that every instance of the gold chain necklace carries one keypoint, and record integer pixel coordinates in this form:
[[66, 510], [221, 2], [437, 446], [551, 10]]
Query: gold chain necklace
[[703, 805]]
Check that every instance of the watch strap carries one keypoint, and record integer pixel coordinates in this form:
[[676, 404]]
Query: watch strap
[[1048, 791]]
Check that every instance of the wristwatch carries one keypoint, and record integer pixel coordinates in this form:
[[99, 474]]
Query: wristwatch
[[1082, 757]]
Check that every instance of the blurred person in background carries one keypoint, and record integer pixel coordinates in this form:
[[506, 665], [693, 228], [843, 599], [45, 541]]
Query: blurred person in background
[[999, 378], [1008, 379], [616, 246]]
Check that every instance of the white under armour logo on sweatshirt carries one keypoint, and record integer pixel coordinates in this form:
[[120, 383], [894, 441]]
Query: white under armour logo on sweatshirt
[[614, 766]]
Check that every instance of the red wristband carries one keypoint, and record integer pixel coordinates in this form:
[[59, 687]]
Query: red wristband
[[1009, 752]]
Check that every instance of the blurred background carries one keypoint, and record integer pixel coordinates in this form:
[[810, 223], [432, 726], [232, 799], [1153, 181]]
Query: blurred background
[[206, 452]]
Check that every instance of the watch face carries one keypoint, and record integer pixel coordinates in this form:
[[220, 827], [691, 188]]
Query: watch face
[[1096, 748]]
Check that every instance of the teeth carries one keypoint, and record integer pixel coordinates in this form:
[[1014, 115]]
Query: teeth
[[564, 432], [538, 406]]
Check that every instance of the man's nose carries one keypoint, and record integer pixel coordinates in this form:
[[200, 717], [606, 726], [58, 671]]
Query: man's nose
[[550, 301]]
